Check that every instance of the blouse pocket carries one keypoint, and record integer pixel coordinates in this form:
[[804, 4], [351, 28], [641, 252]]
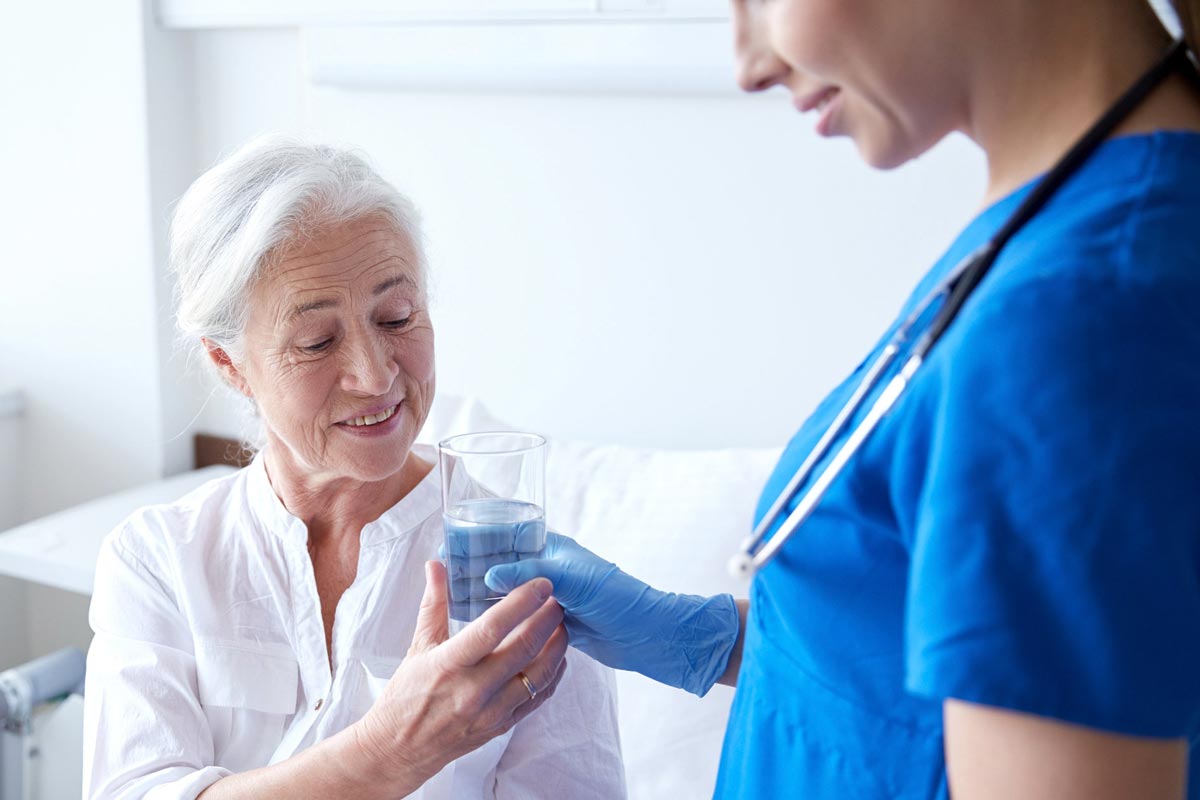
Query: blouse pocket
[[378, 673], [249, 696]]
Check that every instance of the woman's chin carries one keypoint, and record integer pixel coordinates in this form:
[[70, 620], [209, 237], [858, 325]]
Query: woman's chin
[[370, 469], [375, 459]]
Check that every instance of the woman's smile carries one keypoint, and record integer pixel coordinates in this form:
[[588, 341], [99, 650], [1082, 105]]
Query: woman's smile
[[375, 423]]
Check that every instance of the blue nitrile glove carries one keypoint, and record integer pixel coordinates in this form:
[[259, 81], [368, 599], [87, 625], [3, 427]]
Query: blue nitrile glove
[[681, 640]]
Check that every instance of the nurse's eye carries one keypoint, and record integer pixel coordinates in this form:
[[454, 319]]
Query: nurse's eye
[[318, 347]]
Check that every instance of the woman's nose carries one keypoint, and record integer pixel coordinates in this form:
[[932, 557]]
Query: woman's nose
[[370, 367], [758, 67]]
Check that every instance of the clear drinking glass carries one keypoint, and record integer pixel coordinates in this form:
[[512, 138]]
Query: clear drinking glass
[[493, 511]]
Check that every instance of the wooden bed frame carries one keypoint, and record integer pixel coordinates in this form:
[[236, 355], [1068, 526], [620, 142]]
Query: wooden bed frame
[[208, 450]]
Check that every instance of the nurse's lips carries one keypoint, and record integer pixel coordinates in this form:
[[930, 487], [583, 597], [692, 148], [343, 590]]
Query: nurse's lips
[[826, 102], [807, 102]]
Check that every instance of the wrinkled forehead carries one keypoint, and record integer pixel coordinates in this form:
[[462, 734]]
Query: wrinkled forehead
[[338, 263]]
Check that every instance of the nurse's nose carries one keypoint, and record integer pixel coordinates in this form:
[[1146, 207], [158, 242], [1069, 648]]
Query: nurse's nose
[[370, 367], [758, 67]]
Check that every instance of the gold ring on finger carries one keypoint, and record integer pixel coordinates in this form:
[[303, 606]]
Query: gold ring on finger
[[528, 685]]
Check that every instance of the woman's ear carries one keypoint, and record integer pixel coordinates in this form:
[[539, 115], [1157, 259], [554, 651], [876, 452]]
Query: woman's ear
[[229, 370]]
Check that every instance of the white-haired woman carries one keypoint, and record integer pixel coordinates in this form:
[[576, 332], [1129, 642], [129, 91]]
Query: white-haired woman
[[271, 634]]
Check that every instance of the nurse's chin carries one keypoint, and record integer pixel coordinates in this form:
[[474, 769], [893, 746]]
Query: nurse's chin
[[889, 151]]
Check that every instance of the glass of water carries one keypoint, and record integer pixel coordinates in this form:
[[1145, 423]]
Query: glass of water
[[493, 511]]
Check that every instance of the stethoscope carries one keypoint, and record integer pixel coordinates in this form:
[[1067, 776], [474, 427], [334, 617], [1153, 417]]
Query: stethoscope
[[955, 288]]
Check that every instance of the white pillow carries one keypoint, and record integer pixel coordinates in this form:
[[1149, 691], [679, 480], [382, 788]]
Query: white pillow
[[451, 415], [672, 519]]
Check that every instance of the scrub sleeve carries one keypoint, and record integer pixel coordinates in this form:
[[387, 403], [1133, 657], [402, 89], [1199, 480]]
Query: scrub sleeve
[[1054, 562]]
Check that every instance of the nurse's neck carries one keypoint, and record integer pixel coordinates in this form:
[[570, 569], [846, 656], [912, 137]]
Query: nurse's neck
[[1041, 73]]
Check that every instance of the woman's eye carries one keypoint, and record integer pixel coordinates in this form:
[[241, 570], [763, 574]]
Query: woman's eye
[[318, 347], [397, 323]]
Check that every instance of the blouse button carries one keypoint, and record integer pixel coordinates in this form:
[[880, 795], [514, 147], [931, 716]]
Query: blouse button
[[320, 703]]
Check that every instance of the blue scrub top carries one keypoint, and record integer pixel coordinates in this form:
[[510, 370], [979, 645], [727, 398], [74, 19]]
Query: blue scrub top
[[1024, 530]]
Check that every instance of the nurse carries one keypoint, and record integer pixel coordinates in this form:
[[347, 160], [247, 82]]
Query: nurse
[[999, 596]]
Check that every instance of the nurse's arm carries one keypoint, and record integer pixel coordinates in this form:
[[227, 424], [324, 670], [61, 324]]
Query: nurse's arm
[[997, 753], [729, 678]]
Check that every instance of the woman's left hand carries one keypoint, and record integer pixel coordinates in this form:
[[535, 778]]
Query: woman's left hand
[[450, 696]]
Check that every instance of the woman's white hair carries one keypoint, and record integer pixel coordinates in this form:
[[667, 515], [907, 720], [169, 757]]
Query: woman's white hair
[[270, 194]]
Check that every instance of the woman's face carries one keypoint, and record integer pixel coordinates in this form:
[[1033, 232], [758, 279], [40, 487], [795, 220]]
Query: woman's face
[[339, 352], [881, 72]]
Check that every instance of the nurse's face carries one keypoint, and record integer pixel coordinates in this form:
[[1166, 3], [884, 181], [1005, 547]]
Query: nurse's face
[[339, 352], [881, 72]]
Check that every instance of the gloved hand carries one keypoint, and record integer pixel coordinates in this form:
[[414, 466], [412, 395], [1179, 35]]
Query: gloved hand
[[678, 639]]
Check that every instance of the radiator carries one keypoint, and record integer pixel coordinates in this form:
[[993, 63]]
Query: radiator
[[41, 728]]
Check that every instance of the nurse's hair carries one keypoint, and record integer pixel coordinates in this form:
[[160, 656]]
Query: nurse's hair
[[271, 193]]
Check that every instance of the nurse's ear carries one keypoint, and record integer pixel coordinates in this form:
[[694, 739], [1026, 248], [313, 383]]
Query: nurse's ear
[[227, 368]]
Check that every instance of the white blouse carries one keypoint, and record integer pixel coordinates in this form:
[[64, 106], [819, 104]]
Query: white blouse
[[209, 656]]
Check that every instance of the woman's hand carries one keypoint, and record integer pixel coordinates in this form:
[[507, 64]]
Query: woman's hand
[[449, 696], [446, 699]]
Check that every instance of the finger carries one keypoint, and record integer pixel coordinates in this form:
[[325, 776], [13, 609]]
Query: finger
[[530, 537], [503, 712], [535, 647], [479, 539], [541, 670], [469, 610], [432, 624], [525, 709], [466, 589], [558, 554], [504, 577], [484, 635], [477, 566], [513, 697]]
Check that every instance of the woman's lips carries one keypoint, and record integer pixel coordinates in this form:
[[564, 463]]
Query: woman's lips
[[826, 101], [808, 102], [379, 426]]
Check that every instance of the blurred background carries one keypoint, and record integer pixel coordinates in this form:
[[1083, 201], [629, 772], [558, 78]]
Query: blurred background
[[625, 248]]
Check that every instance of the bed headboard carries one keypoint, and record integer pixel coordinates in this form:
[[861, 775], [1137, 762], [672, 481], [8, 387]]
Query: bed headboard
[[208, 450]]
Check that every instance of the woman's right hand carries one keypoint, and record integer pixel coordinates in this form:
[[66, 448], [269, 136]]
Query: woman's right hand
[[449, 696]]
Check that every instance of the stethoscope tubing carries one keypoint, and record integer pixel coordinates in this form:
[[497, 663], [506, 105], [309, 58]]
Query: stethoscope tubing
[[957, 287]]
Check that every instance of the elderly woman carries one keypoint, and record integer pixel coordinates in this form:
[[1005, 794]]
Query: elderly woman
[[271, 634]]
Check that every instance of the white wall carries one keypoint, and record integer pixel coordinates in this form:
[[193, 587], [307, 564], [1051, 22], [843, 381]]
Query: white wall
[[79, 330], [677, 272], [687, 270], [77, 314], [170, 126]]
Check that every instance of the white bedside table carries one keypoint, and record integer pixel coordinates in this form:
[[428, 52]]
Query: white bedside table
[[60, 550]]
